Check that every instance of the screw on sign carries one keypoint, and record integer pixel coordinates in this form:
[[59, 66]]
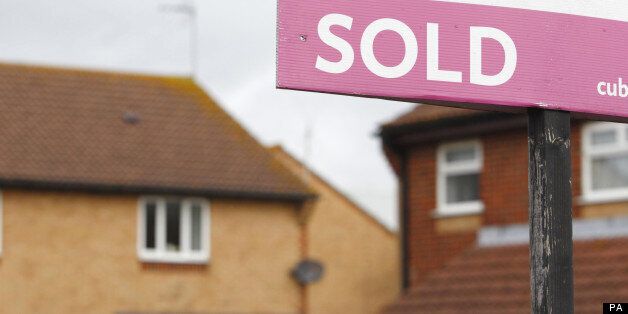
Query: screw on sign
[[551, 65]]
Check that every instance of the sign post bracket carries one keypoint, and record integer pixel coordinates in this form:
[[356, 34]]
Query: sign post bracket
[[551, 244]]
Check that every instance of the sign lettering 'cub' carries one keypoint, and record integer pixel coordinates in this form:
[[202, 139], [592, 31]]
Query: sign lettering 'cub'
[[434, 72], [619, 89]]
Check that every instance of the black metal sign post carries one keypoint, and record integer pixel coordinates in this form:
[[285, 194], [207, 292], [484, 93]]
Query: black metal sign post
[[551, 245]]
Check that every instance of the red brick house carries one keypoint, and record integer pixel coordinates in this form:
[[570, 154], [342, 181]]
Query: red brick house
[[464, 210]]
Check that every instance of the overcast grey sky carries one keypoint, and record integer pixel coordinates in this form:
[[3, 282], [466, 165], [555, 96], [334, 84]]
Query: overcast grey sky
[[237, 59]]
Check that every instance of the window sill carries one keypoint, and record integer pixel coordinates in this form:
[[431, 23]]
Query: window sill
[[162, 267], [602, 199], [439, 213], [174, 260]]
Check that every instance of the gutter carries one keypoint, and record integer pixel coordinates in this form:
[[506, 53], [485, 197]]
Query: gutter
[[454, 128], [77, 186]]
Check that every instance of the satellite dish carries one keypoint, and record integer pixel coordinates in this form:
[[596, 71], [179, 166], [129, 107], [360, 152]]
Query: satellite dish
[[308, 271]]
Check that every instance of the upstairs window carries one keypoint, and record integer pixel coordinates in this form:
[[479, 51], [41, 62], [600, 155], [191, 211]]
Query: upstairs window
[[173, 230], [605, 161], [458, 186]]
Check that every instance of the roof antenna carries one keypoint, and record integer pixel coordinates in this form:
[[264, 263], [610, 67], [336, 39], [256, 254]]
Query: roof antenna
[[189, 9], [307, 149]]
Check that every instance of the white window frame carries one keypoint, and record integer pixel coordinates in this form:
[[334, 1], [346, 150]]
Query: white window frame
[[444, 169], [160, 254], [589, 152]]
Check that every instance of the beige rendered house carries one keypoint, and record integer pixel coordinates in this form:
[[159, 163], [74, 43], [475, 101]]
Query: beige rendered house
[[125, 193], [360, 256], [137, 194]]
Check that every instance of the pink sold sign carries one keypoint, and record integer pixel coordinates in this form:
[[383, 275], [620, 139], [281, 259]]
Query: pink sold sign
[[454, 53]]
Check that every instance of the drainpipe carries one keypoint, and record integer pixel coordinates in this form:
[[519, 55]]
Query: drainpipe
[[404, 222], [306, 210]]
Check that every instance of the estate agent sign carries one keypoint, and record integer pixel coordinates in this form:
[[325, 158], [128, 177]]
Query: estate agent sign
[[551, 64], [450, 52]]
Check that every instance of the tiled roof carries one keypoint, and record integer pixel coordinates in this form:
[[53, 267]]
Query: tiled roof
[[428, 113], [497, 280], [116, 132]]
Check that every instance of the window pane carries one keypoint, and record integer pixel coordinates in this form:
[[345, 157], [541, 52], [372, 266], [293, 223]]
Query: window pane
[[603, 137], [463, 188], [610, 172], [173, 223], [460, 154], [196, 227], [150, 211]]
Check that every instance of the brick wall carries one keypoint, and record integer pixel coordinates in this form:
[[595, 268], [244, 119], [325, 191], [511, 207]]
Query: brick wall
[[503, 189], [76, 253], [360, 256]]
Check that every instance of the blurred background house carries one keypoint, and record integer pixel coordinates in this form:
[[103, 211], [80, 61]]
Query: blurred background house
[[464, 204], [360, 254], [128, 193], [92, 164], [228, 47]]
